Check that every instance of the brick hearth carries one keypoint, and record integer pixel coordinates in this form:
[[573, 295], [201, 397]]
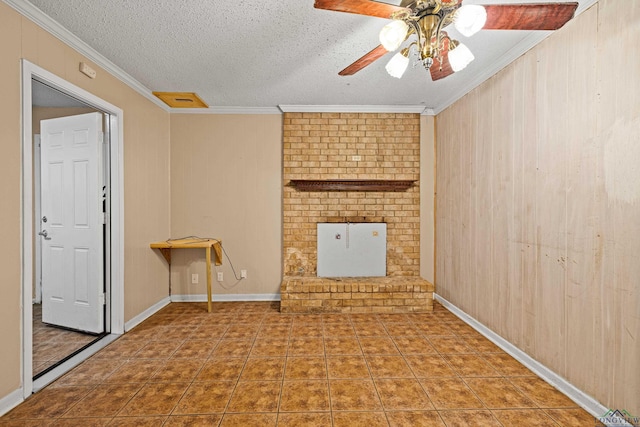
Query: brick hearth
[[356, 295], [350, 146]]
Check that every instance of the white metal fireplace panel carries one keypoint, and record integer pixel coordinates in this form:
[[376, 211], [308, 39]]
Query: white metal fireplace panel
[[352, 249]]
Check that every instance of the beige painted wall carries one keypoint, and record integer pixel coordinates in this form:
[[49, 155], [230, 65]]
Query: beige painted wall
[[538, 206], [146, 173], [10, 286], [226, 182], [427, 201]]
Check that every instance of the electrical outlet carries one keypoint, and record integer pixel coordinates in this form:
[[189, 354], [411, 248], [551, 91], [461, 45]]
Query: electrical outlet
[[243, 274], [356, 158], [220, 276], [194, 278]]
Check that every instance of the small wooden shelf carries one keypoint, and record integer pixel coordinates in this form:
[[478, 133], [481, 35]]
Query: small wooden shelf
[[350, 184]]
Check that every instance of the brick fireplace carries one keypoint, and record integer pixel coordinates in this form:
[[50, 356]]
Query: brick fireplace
[[365, 149]]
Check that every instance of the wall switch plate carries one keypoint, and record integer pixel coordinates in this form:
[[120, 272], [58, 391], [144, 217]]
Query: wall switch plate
[[220, 276], [194, 278], [243, 274]]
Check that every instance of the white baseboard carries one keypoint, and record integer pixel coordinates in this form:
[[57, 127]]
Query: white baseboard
[[585, 401], [226, 297], [196, 298], [146, 314], [10, 401]]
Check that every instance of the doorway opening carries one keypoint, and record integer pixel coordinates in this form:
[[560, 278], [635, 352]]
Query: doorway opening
[[72, 255], [70, 188]]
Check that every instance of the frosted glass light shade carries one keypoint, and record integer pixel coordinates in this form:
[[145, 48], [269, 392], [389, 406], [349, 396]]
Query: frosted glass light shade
[[460, 57], [393, 34], [470, 19], [397, 65]]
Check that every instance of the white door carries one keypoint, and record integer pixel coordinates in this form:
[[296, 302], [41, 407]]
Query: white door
[[72, 222]]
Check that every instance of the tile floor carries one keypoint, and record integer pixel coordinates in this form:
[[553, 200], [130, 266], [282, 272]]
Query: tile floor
[[51, 345], [246, 364]]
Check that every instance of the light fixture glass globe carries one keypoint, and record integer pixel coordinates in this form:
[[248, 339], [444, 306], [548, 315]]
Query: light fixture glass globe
[[469, 19], [397, 65], [460, 57], [393, 34]]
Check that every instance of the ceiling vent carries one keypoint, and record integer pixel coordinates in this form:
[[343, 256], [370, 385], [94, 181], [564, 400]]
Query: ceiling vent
[[181, 99]]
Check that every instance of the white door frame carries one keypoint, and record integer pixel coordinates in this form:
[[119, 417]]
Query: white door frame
[[37, 297], [115, 313]]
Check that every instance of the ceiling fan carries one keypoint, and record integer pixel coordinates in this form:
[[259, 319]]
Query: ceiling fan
[[427, 20]]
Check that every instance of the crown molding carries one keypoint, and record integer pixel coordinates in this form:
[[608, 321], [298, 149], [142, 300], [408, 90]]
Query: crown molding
[[507, 58], [36, 15], [227, 110], [353, 108]]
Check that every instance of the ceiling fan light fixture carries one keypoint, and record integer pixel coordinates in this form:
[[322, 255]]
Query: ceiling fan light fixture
[[393, 34], [469, 19], [459, 56], [428, 20], [398, 64]]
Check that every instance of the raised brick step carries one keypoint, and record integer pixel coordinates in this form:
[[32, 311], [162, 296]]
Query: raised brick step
[[355, 295]]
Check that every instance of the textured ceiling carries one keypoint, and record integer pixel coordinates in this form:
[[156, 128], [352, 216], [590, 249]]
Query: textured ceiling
[[265, 53]]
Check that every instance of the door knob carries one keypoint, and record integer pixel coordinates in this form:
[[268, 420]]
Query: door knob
[[45, 234]]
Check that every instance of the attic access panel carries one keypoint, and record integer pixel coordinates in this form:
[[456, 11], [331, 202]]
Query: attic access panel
[[181, 99]]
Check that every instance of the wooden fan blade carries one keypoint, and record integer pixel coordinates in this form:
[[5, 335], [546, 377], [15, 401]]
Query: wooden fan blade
[[441, 68], [367, 59], [360, 7], [534, 16]]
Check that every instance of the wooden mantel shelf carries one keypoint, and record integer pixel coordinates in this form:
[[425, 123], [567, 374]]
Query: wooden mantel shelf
[[350, 184]]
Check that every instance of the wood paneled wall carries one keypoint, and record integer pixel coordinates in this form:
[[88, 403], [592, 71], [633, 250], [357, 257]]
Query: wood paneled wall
[[538, 203]]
